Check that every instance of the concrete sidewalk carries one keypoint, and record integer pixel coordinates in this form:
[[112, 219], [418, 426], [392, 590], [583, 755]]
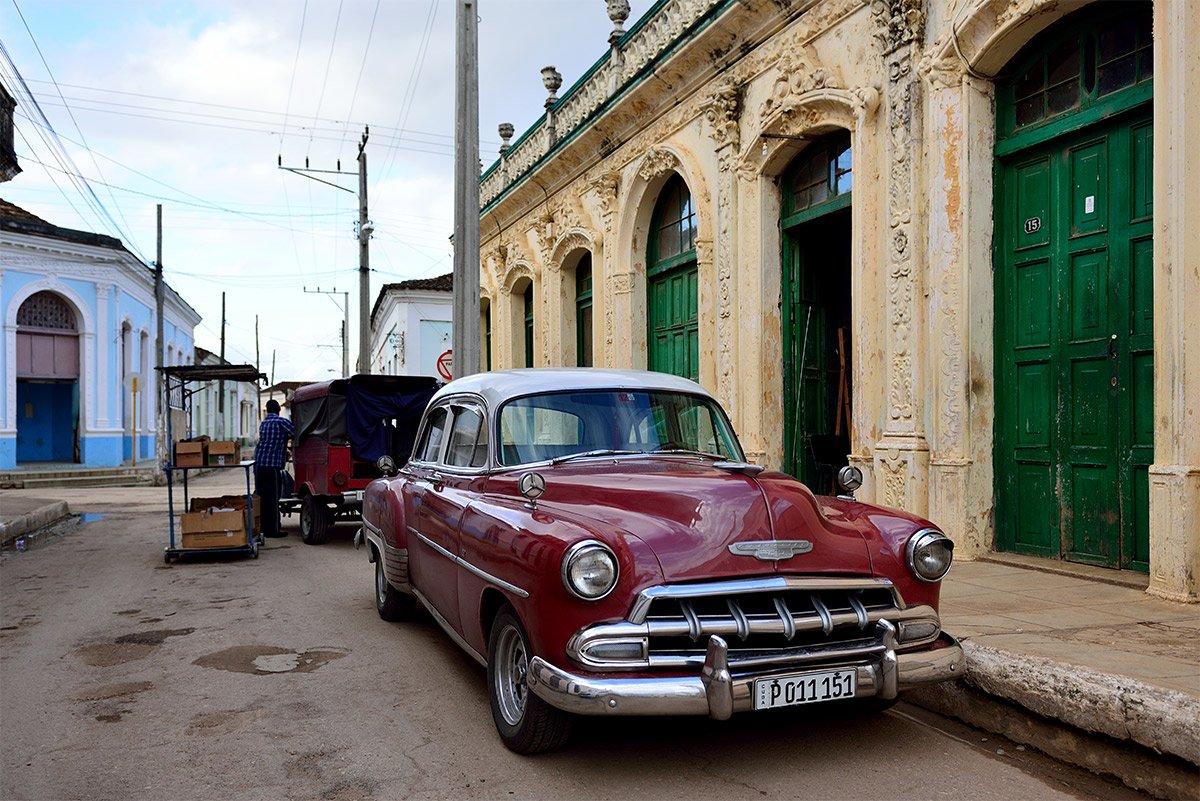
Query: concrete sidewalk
[[1110, 674], [21, 514]]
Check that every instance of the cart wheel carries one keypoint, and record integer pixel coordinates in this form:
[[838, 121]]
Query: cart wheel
[[167, 557], [314, 520]]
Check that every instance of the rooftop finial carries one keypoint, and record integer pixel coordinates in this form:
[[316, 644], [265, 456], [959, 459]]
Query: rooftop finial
[[618, 12], [506, 134], [552, 80]]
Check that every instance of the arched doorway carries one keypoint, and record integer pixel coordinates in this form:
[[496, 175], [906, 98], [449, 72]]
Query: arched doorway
[[47, 380], [672, 319], [1074, 285], [817, 328]]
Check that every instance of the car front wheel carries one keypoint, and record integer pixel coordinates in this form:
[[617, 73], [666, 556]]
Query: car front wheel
[[526, 723], [315, 519]]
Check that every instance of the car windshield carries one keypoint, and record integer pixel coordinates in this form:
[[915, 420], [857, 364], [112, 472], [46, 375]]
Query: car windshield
[[558, 425]]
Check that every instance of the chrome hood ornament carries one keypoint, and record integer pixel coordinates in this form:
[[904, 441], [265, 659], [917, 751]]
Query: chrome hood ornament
[[771, 550]]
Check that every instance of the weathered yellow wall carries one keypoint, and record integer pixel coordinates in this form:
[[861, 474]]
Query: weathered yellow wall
[[911, 83]]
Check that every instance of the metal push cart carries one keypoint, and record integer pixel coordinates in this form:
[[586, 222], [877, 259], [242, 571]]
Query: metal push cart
[[176, 385]]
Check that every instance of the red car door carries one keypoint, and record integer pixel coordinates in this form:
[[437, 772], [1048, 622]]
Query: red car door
[[433, 539]]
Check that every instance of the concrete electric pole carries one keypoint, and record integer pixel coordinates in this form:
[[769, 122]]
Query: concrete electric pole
[[162, 407], [466, 191]]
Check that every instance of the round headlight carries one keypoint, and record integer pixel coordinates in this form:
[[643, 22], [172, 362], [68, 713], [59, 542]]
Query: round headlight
[[589, 570], [930, 553]]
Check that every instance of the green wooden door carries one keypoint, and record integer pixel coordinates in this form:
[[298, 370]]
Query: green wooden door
[[1075, 346], [1074, 286], [815, 223], [674, 324], [672, 319]]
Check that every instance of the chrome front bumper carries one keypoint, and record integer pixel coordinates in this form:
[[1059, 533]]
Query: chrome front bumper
[[718, 692]]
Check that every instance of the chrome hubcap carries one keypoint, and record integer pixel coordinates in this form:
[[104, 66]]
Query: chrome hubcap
[[512, 665]]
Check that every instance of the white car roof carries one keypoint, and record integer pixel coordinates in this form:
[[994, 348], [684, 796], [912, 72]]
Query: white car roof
[[501, 385]]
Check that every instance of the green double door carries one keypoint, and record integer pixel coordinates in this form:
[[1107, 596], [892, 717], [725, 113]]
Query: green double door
[[1074, 345], [674, 324]]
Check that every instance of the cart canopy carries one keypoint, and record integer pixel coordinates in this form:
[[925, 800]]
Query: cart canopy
[[373, 414]]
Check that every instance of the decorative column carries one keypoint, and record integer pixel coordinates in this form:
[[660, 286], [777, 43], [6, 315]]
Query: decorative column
[[723, 110], [605, 187], [901, 457], [1175, 474], [959, 290]]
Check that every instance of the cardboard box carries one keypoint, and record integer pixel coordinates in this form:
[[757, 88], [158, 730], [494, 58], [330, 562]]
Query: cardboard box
[[189, 454], [214, 529], [221, 452], [231, 502]]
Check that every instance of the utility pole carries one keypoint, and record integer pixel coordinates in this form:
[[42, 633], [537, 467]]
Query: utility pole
[[364, 262], [221, 383], [365, 229], [345, 324], [161, 407], [466, 191], [272, 367]]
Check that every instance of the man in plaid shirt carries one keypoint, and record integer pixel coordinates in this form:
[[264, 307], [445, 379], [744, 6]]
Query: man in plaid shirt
[[270, 455]]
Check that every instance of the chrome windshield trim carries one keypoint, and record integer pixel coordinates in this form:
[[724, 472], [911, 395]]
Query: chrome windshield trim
[[641, 605], [458, 560]]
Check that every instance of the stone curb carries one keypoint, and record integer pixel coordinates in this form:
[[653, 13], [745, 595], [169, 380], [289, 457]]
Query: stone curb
[[31, 521], [1166, 721]]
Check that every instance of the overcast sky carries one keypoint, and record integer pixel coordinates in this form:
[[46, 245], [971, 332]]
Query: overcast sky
[[190, 104]]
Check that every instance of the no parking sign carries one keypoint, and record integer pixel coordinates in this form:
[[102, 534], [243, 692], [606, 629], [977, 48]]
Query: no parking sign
[[445, 365]]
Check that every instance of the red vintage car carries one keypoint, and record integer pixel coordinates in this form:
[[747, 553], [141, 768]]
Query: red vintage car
[[597, 540]]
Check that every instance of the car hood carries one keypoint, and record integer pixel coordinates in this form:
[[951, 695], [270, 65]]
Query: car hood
[[690, 513]]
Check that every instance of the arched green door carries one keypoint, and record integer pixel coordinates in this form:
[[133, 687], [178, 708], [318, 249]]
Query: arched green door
[[816, 311], [673, 325], [1074, 286]]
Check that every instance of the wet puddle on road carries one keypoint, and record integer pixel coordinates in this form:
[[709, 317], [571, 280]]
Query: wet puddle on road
[[262, 660]]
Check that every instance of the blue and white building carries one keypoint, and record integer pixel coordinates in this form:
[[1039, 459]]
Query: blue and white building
[[77, 347]]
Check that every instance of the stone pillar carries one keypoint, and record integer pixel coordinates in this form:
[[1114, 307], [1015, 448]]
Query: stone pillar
[[1175, 474], [902, 455], [959, 287], [722, 110]]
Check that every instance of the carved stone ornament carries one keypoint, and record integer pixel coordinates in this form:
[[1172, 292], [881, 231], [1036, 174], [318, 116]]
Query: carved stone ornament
[[618, 12], [894, 469], [897, 23], [723, 109], [658, 161], [941, 67], [605, 187], [797, 76], [623, 283]]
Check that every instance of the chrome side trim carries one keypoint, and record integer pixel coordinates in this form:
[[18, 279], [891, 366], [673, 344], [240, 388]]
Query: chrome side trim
[[719, 693], [458, 560], [641, 606], [441, 621]]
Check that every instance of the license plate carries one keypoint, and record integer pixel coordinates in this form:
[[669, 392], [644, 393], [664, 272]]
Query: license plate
[[805, 688]]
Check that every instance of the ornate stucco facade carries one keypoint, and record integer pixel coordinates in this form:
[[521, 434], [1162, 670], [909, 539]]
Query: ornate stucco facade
[[727, 94]]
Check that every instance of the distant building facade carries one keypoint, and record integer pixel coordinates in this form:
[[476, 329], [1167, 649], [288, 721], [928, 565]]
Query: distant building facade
[[412, 326], [236, 419], [78, 346], [950, 243]]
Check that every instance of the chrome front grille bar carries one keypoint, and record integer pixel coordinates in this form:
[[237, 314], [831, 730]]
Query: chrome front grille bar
[[761, 619]]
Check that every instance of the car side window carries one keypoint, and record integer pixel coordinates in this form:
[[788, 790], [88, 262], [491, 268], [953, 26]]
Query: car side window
[[431, 440], [468, 438]]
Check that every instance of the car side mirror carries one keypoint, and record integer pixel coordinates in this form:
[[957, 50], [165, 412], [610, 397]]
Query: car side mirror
[[386, 465]]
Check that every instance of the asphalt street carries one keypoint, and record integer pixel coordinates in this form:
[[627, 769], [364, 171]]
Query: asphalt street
[[124, 677]]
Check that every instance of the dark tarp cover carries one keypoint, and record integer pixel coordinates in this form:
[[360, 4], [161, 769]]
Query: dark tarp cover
[[369, 421]]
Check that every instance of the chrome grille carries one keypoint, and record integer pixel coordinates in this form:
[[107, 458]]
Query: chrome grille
[[764, 621]]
